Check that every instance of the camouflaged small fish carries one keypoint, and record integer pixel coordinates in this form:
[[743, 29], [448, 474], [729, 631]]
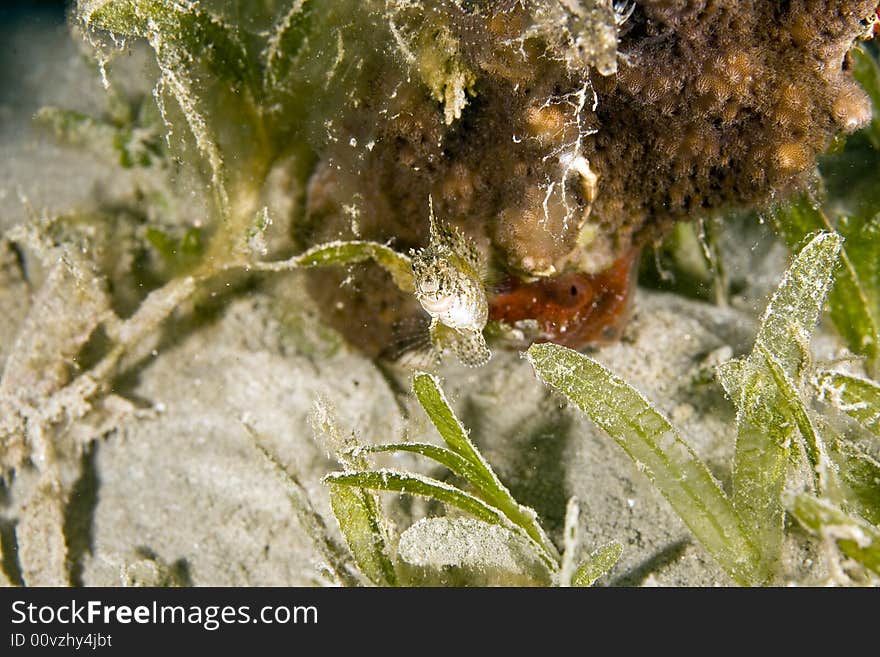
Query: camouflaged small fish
[[449, 276]]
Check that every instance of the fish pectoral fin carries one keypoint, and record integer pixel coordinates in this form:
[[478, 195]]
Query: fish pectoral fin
[[471, 348], [412, 345]]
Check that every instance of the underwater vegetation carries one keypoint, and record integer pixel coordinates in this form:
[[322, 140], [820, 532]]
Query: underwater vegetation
[[452, 177], [557, 138], [497, 540], [787, 458]]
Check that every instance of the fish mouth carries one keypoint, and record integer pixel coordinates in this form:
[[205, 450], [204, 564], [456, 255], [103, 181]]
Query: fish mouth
[[436, 305]]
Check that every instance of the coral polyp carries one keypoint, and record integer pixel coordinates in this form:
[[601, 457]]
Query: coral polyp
[[750, 92]]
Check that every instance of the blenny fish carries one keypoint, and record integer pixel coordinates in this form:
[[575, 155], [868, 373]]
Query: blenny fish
[[449, 278]]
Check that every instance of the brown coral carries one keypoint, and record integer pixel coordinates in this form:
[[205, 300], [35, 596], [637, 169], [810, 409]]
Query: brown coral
[[752, 92], [553, 166]]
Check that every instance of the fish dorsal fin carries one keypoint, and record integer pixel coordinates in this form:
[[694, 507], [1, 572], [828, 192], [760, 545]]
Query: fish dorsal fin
[[451, 240], [442, 235]]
